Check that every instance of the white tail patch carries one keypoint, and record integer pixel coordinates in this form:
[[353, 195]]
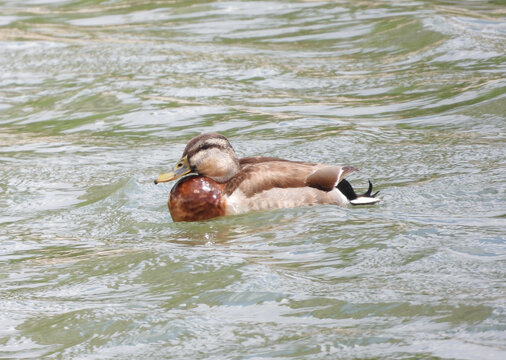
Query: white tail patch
[[364, 200], [339, 177]]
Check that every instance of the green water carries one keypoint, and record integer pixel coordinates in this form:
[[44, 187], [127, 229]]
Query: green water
[[99, 97]]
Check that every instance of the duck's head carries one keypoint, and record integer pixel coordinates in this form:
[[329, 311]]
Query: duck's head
[[209, 155]]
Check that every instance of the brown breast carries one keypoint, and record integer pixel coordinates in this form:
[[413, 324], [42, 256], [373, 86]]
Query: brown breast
[[195, 198]]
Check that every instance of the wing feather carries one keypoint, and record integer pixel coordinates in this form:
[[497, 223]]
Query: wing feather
[[259, 174]]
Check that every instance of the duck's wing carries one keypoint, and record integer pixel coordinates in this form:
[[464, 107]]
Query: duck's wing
[[259, 174]]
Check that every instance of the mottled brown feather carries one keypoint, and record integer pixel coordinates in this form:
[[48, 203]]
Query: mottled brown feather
[[257, 177], [261, 159], [263, 173], [324, 178]]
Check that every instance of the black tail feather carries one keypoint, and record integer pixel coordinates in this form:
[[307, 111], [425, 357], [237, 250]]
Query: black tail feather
[[369, 191], [345, 187]]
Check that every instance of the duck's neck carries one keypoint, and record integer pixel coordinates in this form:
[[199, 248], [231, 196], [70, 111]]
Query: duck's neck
[[230, 168], [220, 169]]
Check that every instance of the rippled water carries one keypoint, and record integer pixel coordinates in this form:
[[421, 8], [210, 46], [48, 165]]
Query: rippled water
[[99, 97]]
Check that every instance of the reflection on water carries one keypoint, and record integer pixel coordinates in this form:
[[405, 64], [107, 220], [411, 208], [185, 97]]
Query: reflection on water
[[98, 98]]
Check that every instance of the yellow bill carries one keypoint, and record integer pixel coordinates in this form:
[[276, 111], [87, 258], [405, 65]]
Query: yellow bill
[[181, 168]]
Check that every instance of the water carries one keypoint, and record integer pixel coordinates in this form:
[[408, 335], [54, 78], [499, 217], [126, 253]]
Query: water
[[99, 97]]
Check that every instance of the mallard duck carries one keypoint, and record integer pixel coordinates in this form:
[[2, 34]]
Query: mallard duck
[[221, 184]]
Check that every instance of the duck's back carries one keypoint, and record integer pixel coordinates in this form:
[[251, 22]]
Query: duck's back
[[270, 183]]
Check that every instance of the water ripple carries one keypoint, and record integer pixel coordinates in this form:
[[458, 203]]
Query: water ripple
[[97, 99]]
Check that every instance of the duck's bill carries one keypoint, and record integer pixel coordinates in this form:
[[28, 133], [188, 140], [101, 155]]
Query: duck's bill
[[181, 168], [165, 177]]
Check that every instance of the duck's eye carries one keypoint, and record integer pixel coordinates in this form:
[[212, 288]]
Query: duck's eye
[[205, 146], [179, 165]]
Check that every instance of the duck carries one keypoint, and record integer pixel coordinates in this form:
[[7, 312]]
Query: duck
[[214, 182]]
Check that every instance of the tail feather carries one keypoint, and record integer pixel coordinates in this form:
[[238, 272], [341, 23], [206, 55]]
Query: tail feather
[[364, 199]]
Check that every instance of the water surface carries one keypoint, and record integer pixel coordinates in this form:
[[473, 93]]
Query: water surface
[[99, 97]]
